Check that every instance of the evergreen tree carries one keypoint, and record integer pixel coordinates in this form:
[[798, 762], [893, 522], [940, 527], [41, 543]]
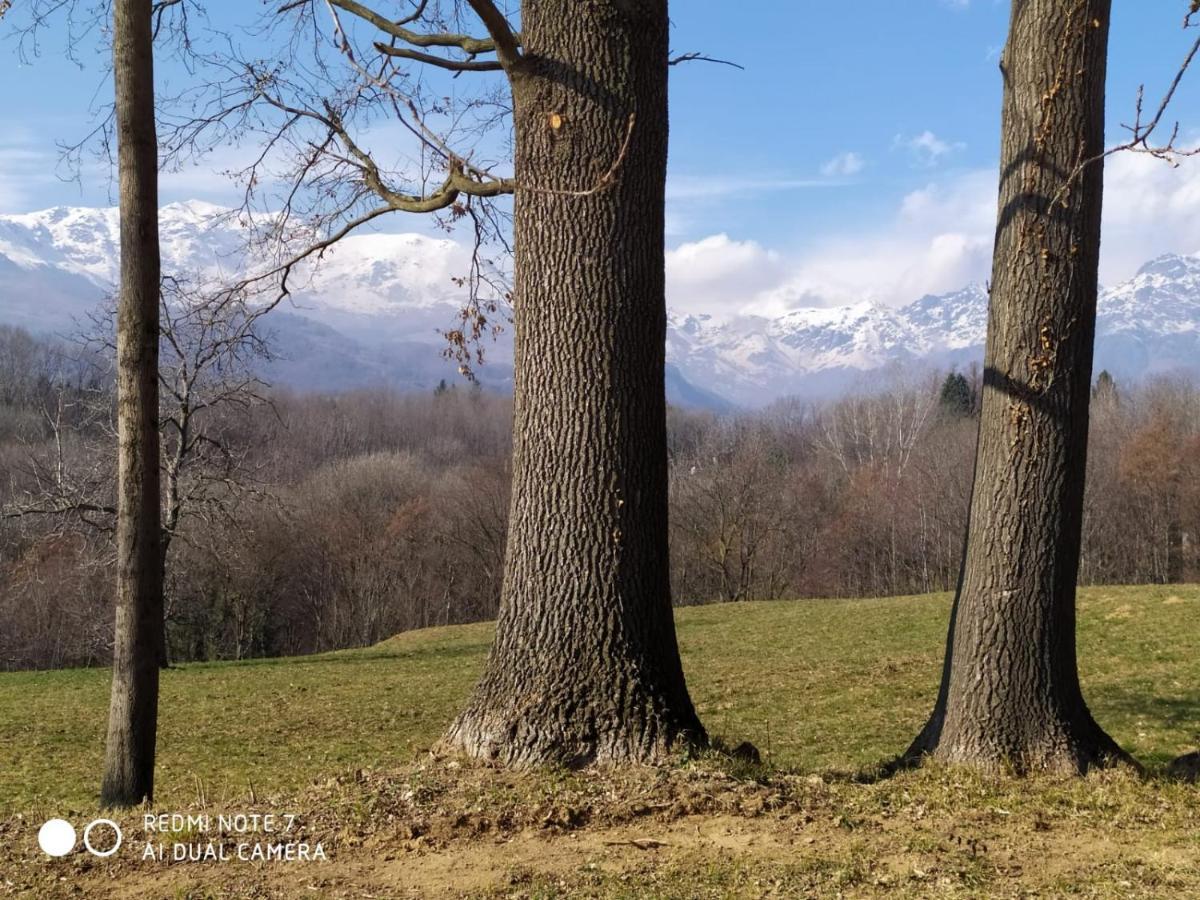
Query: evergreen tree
[[1106, 388], [957, 399]]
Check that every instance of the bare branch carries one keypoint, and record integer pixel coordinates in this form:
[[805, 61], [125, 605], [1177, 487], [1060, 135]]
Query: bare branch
[[463, 42], [51, 508], [507, 45], [604, 182], [700, 57], [1141, 132], [469, 65]]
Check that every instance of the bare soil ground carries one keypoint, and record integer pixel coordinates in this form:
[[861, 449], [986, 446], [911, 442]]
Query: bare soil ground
[[712, 827]]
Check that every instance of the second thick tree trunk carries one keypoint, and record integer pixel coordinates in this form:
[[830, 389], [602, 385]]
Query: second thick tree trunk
[[585, 665], [137, 651], [1010, 695]]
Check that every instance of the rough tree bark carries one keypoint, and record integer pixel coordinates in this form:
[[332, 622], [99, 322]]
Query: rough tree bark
[[1010, 694], [585, 666], [133, 713]]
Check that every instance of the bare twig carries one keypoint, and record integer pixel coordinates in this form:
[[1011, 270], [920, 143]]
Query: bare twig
[[701, 57], [1142, 132]]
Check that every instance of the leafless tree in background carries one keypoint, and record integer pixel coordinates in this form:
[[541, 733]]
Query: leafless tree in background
[[236, 573], [210, 353], [138, 645]]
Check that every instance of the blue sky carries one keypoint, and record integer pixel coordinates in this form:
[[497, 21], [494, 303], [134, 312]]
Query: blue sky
[[854, 158]]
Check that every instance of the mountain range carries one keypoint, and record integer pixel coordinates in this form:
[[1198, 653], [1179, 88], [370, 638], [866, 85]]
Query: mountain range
[[372, 311]]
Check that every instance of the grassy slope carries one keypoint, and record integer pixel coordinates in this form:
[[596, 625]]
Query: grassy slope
[[819, 684]]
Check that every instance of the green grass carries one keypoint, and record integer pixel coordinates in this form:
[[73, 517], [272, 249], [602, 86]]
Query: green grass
[[818, 685]]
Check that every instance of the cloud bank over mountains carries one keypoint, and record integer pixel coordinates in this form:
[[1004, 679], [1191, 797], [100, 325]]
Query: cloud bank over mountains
[[937, 240]]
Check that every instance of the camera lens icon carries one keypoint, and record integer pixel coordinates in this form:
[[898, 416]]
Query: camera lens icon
[[57, 838], [87, 838]]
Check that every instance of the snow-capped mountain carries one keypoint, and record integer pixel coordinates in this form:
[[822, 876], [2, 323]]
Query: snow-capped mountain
[[822, 351], [366, 274], [1146, 326], [372, 310], [1151, 324]]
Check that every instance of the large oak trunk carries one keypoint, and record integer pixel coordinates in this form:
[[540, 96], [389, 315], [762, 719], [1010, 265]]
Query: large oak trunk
[[1010, 694], [585, 665], [133, 713]]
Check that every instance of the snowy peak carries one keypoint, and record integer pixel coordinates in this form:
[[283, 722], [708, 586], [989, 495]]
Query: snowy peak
[[87, 241], [1164, 297], [759, 359], [365, 274], [1147, 325], [850, 335], [1171, 266], [950, 320], [77, 240], [197, 211]]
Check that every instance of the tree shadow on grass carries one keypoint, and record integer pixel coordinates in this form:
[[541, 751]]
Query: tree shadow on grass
[[1178, 714]]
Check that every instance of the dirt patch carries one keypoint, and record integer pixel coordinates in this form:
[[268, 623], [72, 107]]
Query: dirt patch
[[710, 828]]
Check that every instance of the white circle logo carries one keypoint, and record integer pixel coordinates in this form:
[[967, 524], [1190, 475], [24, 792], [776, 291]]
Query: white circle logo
[[57, 837], [87, 838]]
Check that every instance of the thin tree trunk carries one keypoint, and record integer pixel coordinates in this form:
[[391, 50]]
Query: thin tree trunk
[[1174, 538], [1010, 695], [129, 758], [585, 665]]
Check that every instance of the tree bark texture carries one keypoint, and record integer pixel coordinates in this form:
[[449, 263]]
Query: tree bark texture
[[585, 666], [1010, 694], [133, 713]]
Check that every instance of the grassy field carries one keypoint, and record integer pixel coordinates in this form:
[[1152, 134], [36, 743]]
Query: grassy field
[[815, 684], [821, 687]]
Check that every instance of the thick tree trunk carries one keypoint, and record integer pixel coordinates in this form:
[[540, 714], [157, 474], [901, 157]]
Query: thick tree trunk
[[585, 666], [1010, 694], [129, 759]]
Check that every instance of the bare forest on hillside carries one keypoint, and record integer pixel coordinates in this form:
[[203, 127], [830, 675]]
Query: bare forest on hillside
[[305, 523]]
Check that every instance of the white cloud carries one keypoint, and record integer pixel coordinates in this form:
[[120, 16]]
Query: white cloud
[[26, 168], [967, 202], [692, 199], [696, 188], [938, 240], [843, 165], [927, 148], [208, 179], [1150, 208], [716, 275]]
